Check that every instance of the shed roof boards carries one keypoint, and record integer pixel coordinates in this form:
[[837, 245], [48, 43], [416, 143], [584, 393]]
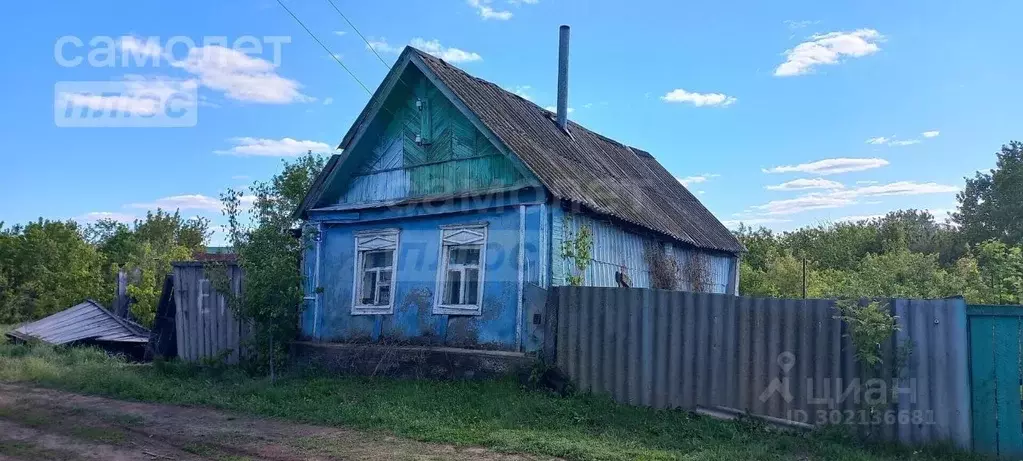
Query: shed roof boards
[[85, 321]]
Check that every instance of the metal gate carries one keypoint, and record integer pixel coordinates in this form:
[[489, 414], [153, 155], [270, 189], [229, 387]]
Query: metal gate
[[996, 340]]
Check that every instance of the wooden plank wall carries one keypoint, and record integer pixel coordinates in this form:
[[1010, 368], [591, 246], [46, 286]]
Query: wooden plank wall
[[206, 327]]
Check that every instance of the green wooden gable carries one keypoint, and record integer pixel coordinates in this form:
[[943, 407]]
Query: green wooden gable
[[420, 145]]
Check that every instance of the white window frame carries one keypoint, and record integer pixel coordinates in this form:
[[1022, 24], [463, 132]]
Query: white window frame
[[461, 235], [369, 242]]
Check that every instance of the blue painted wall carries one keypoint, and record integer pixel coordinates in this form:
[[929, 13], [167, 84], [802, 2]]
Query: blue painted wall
[[330, 317]]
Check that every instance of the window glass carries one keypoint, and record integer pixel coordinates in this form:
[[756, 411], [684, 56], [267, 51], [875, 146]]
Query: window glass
[[453, 288], [472, 285], [461, 275], [369, 287], [373, 287], [464, 255], [377, 259]]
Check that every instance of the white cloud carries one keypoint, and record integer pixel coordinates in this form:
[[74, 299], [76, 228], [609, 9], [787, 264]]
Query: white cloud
[[139, 48], [733, 223], [930, 134], [522, 91], [804, 203], [699, 99], [831, 166], [690, 180], [138, 96], [340, 33], [938, 213], [94, 216], [182, 202], [806, 184], [859, 218], [866, 182], [902, 142], [828, 49], [847, 197], [448, 54], [328, 101], [793, 25], [487, 12], [262, 147], [554, 109], [900, 188], [381, 45], [240, 76]]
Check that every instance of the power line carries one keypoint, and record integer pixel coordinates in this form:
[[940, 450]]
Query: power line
[[332, 55], [368, 44]]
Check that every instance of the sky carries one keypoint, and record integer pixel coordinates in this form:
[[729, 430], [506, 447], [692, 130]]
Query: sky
[[781, 114]]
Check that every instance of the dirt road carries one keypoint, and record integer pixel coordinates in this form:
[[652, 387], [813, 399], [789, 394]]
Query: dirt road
[[41, 424]]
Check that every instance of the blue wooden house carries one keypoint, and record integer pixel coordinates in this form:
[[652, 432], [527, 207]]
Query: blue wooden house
[[453, 197]]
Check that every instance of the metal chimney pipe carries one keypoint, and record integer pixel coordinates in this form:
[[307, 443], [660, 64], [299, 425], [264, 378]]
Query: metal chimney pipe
[[563, 78]]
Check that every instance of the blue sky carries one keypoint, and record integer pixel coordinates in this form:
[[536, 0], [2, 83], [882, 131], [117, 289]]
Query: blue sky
[[778, 113]]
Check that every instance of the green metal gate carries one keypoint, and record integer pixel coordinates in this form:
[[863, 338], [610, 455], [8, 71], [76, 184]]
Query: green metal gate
[[996, 341]]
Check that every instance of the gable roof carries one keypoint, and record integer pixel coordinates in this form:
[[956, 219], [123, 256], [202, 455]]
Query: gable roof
[[87, 320], [580, 166]]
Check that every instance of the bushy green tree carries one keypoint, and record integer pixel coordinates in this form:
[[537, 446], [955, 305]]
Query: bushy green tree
[[269, 254], [145, 249], [991, 205], [45, 267], [1000, 278]]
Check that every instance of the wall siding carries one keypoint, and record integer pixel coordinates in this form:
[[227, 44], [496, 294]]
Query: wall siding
[[453, 158], [614, 247]]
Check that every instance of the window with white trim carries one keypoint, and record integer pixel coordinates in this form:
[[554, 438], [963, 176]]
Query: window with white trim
[[462, 268], [373, 290]]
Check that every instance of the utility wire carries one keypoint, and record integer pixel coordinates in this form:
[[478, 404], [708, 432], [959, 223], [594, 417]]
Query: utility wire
[[368, 44], [332, 55]]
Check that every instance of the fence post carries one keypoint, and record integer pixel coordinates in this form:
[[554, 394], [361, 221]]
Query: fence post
[[549, 350]]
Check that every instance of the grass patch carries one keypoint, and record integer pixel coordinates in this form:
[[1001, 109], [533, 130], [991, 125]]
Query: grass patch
[[28, 452], [102, 435], [495, 414]]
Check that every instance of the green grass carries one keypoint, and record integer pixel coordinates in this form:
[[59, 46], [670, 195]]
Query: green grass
[[495, 414]]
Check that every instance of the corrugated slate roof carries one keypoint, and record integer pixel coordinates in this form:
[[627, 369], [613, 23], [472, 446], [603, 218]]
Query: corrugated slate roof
[[87, 320], [586, 168]]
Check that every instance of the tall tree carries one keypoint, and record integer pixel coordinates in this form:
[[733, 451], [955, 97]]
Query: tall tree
[[45, 267], [270, 256], [145, 249], [991, 205]]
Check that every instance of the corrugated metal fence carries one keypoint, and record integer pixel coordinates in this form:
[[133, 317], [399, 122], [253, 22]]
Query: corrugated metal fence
[[206, 327], [781, 359]]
